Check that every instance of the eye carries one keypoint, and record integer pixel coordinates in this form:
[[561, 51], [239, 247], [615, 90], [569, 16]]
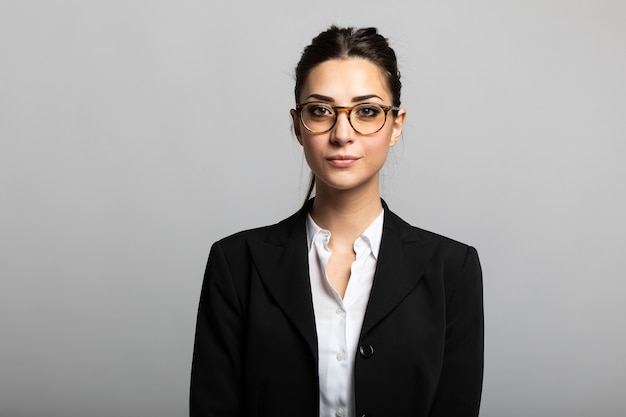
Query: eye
[[319, 110], [367, 111]]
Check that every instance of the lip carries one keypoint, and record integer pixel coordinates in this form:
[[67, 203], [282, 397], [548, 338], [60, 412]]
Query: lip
[[342, 161]]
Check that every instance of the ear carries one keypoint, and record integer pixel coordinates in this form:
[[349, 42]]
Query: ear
[[296, 124], [396, 130]]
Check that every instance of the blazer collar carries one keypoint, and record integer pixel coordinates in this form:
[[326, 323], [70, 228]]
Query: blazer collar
[[282, 262]]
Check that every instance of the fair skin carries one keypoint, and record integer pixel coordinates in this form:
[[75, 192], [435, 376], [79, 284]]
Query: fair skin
[[347, 197]]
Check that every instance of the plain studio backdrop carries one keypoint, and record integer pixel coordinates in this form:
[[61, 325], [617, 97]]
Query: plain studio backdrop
[[133, 134]]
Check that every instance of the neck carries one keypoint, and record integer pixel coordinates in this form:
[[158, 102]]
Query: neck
[[345, 213]]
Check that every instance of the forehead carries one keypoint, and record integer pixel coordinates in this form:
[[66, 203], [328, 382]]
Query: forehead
[[344, 79]]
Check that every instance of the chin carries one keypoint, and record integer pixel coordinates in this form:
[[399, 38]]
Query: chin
[[342, 186]]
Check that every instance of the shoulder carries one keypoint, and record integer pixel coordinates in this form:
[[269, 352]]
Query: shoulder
[[454, 263], [449, 253], [269, 233], [410, 233]]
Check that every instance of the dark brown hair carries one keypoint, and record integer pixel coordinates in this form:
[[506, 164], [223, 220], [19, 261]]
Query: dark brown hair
[[341, 43]]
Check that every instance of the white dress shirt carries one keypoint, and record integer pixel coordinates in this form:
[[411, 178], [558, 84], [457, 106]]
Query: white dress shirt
[[338, 321]]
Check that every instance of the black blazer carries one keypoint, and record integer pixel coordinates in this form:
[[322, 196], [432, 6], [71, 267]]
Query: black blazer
[[420, 348]]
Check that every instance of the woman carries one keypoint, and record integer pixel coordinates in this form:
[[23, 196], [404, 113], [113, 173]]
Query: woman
[[343, 309]]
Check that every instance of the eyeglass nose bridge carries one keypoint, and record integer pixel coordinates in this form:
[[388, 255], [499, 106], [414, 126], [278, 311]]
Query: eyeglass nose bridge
[[348, 112]]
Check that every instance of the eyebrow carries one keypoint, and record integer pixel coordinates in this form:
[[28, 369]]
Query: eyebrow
[[354, 99]]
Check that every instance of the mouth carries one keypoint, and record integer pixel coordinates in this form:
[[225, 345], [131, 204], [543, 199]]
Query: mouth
[[342, 161]]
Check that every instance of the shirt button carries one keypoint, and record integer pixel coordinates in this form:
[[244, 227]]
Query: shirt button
[[341, 356], [339, 310], [340, 412]]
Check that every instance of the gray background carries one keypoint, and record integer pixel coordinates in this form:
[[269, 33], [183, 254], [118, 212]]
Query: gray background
[[133, 134]]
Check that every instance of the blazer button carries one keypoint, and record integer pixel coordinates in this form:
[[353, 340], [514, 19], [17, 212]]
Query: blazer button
[[366, 351]]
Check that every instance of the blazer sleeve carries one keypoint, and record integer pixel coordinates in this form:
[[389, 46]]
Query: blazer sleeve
[[460, 384], [216, 371]]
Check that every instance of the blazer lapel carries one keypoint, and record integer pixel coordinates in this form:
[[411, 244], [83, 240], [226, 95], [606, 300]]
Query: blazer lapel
[[282, 263], [402, 260]]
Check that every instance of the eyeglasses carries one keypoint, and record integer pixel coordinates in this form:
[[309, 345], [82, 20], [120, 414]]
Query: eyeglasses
[[365, 118]]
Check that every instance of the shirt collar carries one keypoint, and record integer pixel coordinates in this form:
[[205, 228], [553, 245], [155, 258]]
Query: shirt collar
[[372, 235]]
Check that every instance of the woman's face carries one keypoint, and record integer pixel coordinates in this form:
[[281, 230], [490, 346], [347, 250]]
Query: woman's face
[[342, 158]]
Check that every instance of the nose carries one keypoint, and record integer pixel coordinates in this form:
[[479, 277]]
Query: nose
[[343, 132]]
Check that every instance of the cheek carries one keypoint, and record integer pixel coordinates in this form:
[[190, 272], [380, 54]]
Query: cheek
[[313, 145], [311, 153], [379, 148], [380, 154]]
